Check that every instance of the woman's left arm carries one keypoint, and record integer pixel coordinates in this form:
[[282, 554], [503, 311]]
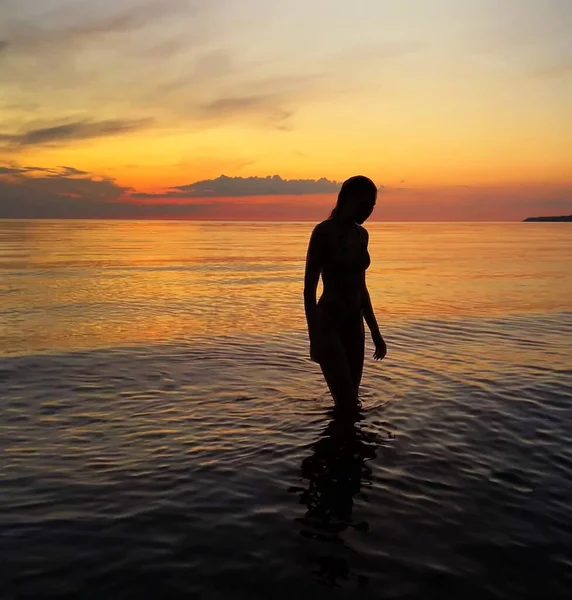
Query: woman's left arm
[[369, 316]]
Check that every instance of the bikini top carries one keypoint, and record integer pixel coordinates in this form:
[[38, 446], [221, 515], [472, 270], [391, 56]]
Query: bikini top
[[347, 253]]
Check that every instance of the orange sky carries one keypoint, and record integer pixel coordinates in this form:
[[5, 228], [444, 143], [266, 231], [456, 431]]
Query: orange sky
[[458, 109]]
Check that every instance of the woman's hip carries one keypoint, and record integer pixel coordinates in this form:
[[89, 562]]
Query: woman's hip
[[337, 331]]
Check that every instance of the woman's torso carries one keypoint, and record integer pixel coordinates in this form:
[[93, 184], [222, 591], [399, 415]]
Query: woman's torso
[[346, 260]]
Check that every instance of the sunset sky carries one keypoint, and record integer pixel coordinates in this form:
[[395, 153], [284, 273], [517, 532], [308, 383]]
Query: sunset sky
[[458, 109]]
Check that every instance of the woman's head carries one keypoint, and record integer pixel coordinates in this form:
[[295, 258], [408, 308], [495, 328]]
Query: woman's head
[[356, 199]]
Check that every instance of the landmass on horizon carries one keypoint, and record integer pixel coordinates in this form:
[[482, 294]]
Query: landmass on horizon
[[563, 218]]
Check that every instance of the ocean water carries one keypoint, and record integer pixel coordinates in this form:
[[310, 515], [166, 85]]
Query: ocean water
[[163, 433]]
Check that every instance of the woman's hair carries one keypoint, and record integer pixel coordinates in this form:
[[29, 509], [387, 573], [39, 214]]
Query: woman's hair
[[352, 187]]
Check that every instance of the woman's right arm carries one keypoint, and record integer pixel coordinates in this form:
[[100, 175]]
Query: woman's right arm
[[312, 276]]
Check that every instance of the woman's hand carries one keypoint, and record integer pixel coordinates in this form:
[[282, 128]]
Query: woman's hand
[[380, 347], [317, 348]]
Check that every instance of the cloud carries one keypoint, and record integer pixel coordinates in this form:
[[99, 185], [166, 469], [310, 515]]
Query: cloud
[[14, 169], [26, 192], [163, 60], [132, 18], [166, 60], [81, 57], [216, 89], [228, 187], [77, 24], [78, 130], [158, 66], [70, 171], [265, 106], [553, 72], [9, 170], [65, 192]]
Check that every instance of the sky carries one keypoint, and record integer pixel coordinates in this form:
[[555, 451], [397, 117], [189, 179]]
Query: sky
[[258, 109]]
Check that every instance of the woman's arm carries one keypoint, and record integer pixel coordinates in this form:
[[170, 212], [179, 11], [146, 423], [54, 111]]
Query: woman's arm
[[312, 276], [369, 316]]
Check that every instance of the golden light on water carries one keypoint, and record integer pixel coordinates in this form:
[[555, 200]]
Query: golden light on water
[[120, 283]]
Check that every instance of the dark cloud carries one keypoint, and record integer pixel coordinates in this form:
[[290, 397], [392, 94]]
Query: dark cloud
[[64, 193], [79, 130], [29, 193], [14, 169], [69, 171], [3, 45], [230, 105], [228, 187], [9, 170]]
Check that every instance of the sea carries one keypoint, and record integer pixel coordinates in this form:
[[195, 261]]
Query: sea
[[164, 434]]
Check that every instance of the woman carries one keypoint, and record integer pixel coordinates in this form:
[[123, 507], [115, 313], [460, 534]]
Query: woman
[[338, 251]]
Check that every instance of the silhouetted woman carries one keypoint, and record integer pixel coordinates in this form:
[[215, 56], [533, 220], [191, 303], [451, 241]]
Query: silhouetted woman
[[338, 251]]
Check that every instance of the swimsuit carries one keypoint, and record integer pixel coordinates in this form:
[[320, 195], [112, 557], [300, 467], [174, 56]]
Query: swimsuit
[[346, 261], [339, 315]]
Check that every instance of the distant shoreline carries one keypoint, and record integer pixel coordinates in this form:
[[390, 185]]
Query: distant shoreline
[[271, 221], [565, 219]]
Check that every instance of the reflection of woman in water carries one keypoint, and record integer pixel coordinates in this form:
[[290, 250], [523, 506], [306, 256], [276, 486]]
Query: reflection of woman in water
[[338, 251], [336, 470], [335, 473]]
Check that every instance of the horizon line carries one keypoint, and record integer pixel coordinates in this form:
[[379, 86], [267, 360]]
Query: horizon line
[[183, 219]]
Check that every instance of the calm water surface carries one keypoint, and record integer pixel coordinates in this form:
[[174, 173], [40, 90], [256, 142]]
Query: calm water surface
[[163, 433]]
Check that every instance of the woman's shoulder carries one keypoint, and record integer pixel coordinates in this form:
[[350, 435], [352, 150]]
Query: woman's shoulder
[[324, 224], [322, 229]]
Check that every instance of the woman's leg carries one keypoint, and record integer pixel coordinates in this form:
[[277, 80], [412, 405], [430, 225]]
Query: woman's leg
[[338, 370], [353, 341], [338, 375]]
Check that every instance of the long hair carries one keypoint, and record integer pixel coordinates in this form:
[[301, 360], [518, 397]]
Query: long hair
[[352, 187]]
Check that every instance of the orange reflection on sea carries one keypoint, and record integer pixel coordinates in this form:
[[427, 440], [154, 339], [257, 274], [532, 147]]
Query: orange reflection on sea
[[83, 284]]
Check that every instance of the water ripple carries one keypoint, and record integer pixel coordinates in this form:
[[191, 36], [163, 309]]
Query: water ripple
[[178, 459]]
